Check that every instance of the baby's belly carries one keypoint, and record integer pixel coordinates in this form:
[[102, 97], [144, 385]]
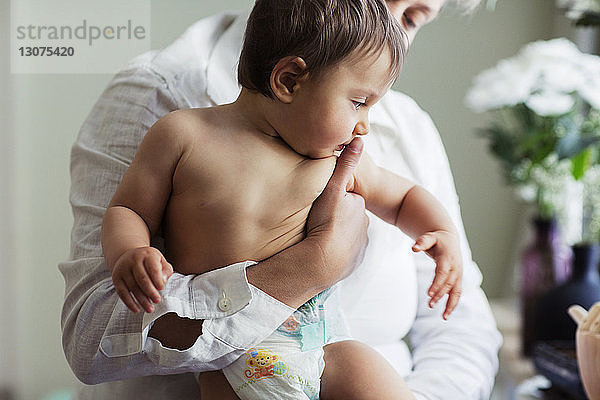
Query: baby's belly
[[214, 240]]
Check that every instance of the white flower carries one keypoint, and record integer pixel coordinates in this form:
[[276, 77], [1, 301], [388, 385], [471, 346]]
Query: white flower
[[591, 202], [590, 89], [547, 103], [547, 76], [534, 97], [554, 49], [527, 192], [508, 84], [563, 77]]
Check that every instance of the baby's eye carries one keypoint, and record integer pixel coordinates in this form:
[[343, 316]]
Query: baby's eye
[[357, 104]]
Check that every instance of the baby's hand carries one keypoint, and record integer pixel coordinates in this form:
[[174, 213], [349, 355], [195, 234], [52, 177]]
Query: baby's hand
[[138, 275], [444, 248]]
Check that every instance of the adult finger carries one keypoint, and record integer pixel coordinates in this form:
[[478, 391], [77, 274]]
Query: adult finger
[[345, 165]]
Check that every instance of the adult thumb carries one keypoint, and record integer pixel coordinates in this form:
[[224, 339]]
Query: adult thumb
[[346, 163]]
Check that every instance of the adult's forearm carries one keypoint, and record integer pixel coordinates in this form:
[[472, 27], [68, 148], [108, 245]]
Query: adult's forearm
[[294, 275], [104, 341]]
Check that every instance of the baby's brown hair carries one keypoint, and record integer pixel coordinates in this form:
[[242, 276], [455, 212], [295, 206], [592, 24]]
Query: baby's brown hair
[[321, 32]]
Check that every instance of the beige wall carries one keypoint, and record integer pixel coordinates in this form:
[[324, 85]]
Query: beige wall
[[47, 111]]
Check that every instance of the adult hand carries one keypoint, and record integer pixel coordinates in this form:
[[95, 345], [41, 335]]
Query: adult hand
[[337, 223]]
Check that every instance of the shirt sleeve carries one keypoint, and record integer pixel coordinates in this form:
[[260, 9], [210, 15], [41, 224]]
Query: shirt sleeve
[[102, 339], [457, 358]]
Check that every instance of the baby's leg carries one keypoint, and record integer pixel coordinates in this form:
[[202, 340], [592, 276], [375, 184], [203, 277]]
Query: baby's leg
[[214, 386], [354, 370]]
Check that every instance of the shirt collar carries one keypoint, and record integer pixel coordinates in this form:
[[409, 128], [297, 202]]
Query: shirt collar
[[221, 72]]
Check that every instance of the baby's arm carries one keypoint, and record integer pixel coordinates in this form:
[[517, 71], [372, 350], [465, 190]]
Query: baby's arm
[[134, 214], [416, 212]]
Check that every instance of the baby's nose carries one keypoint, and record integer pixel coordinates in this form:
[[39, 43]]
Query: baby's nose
[[362, 128]]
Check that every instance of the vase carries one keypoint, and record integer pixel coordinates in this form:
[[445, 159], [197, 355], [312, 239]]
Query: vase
[[583, 287], [545, 263]]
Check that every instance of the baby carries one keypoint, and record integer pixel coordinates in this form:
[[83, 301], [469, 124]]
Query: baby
[[236, 182]]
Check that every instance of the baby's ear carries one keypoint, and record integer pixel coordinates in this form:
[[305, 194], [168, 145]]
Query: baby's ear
[[286, 77]]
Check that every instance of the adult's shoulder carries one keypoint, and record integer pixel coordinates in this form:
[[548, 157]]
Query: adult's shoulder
[[181, 67], [193, 48]]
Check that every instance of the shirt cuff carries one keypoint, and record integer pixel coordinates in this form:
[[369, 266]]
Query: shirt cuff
[[252, 324], [234, 312], [214, 294]]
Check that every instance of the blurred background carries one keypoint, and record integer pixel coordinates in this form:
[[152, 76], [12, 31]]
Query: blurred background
[[40, 115]]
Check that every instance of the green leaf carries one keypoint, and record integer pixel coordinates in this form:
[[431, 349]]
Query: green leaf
[[580, 163], [501, 143], [536, 145]]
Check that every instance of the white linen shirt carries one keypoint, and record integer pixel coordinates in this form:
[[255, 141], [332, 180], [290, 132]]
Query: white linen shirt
[[384, 300]]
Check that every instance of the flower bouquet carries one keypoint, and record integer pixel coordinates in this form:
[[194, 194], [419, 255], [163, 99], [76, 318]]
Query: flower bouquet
[[546, 134], [546, 127]]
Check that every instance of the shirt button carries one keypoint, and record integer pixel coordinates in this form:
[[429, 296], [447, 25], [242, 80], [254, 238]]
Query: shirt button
[[224, 304]]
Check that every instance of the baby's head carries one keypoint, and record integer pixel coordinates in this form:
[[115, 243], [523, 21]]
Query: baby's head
[[322, 33]]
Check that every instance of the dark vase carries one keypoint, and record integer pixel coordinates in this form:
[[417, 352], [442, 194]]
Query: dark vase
[[552, 321], [545, 263]]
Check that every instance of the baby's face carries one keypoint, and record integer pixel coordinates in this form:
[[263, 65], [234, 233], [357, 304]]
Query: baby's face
[[328, 112]]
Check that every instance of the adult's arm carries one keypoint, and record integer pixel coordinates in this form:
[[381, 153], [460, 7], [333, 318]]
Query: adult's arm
[[457, 358], [226, 310]]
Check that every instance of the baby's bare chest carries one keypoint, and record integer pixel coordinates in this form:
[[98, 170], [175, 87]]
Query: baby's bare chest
[[266, 188]]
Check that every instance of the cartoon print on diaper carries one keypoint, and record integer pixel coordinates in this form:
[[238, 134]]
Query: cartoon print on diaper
[[291, 324], [263, 363]]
